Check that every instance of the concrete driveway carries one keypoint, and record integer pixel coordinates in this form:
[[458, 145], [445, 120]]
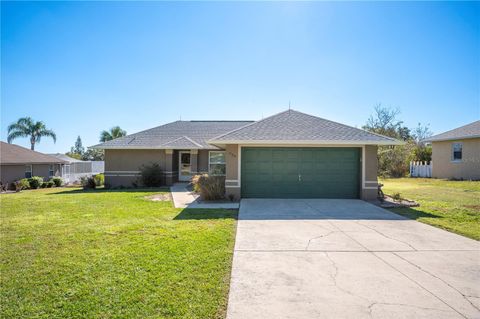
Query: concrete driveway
[[348, 259]]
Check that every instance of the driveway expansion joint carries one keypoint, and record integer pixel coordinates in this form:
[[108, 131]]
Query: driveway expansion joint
[[446, 283], [417, 283]]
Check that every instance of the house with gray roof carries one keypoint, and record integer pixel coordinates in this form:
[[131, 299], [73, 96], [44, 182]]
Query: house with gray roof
[[287, 155], [456, 153], [18, 162]]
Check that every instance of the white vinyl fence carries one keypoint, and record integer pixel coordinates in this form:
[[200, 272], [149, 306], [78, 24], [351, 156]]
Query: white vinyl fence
[[420, 169], [73, 172]]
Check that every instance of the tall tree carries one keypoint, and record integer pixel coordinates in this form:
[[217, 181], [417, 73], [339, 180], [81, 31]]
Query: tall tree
[[420, 133], [114, 132], [78, 148], [384, 121], [27, 127]]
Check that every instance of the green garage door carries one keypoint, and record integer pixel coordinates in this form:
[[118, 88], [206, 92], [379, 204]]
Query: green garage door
[[293, 172]]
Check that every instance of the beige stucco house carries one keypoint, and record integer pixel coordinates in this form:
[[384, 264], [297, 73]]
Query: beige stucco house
[[17, 162], [456, 153], [287, 155]]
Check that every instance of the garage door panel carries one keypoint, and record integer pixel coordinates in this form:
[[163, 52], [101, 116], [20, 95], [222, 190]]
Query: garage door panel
[[300, 172]]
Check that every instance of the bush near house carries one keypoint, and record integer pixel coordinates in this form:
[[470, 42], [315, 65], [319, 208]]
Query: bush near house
[[88, 182], [151, 175], [22, 184], [35, 182], [99, 179], [58, 181], [209, 187]]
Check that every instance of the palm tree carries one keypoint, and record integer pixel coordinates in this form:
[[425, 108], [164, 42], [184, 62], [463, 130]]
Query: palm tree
[[115, 132], [26, 127]]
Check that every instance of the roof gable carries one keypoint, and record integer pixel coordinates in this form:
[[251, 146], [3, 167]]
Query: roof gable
[[14, 154], [297, 127], [471, 130]]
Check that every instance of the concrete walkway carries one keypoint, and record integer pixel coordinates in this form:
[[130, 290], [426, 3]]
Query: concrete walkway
[[184, 198], [348, 259]]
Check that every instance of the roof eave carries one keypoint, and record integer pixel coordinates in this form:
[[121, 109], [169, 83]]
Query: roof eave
[[31, 163], [148, 148], [304, 142], [430, 140]]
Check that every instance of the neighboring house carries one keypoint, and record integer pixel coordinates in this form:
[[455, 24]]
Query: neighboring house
[[17, 162], [75, 169], [456, 153], [287, 155]]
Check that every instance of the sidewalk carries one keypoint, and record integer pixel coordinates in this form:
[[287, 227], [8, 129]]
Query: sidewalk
[[184, 198]]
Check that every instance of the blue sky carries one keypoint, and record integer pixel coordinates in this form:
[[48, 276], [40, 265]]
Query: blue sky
[[84, 67]]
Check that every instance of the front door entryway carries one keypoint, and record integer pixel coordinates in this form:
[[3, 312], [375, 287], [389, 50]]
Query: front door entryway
[[184, 166]]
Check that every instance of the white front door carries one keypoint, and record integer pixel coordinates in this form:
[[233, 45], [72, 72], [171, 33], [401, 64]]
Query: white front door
[[184, 166]]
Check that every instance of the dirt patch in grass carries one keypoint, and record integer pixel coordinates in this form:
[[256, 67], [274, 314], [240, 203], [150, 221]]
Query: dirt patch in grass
[[163, 197], [474, 207]]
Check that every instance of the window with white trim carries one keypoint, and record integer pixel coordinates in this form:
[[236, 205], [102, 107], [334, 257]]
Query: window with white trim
[[28, 171], [457, 152], [51, 172], [216, 163]]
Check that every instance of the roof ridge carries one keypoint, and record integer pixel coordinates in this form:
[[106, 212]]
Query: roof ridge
[[219, 121], [255, 122], [345, 125], [179, 138], [188, 138], [309, 115]]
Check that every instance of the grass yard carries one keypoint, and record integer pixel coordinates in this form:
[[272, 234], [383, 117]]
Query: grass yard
[[67, 253], [451, 205]]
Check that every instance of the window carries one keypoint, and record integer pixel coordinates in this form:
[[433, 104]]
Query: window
[[216, 163], [50, 171], [28, 171], [457, 151]]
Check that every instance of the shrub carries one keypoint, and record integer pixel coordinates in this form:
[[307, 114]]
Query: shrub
[[196, 186], [58, 181], [17, 186], [43, 185], [396, 197], [35, 182], [88, 182], [23, 183], [151, 175], [99, 179], [210, 187], [50, 184]]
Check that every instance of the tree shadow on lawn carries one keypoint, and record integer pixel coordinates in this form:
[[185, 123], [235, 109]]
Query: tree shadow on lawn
[[206, 213], [413, 213], [106, 190]]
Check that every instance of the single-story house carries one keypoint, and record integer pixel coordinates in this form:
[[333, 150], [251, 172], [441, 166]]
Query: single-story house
[[456, 153], [287, 155], [17, 162]]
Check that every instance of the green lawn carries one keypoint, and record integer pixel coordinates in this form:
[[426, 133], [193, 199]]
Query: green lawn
[[67, 253], [451, 205]]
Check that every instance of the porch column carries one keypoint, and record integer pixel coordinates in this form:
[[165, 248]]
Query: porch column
[[168, 167], [194, 162], [232, 178]]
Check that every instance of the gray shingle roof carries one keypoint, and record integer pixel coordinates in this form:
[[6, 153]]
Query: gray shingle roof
[[65, 158], [14, 154], [294, 126], [471, 130], [176, 135]]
